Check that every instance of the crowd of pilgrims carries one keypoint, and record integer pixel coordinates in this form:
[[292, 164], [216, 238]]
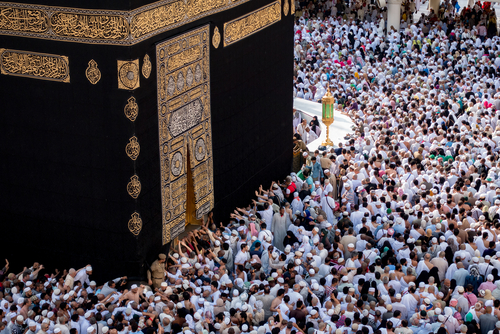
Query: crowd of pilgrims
[[394, 230]]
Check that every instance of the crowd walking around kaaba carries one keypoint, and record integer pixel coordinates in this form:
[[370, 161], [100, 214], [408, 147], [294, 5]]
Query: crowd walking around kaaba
[[395, 230]]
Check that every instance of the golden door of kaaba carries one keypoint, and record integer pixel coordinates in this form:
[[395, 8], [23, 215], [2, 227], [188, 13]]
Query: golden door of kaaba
[[185, 130]]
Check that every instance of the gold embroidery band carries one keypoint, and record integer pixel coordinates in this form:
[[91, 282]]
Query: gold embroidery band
[[23, 20], [110, 27], [96, 27], [34, 65], [251, 23]]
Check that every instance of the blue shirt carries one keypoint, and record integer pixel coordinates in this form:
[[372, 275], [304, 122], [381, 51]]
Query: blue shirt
[[309, 180], [317, 171]]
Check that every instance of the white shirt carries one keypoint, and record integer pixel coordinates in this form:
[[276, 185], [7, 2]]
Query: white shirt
[[241, 258]]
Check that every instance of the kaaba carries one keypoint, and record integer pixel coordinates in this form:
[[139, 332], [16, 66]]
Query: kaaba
[[124, 121]]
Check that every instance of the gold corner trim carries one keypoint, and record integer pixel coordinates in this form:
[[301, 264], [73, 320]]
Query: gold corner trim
[[135, 224], [134, 187], [251, 23], [128, 74], [131, 109], [146, 67], [109, 27], [292, 6], [92, 72], [133, 149], [216, 38], [34, 65], [285, 7]]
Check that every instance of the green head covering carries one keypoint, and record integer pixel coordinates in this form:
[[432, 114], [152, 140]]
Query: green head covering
[[468, 317]]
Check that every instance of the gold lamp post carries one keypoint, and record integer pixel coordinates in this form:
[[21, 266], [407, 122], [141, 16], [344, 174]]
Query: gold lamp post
[[327, 117]]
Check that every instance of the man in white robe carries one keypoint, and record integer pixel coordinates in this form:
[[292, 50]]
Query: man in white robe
[[328, 205], [279, 229]]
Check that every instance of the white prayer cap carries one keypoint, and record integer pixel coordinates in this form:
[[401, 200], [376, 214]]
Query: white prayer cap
[[490, 277], [88, 314], [134, 286], [20, 300], [88, 268], [50, 314], [90, 329], [57, 330], [311, 272], [105, 329], [20, 318]]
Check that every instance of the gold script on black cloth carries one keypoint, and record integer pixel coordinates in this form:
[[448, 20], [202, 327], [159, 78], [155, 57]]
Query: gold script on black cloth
[[34, 65], [110, 27], [184, 119]]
